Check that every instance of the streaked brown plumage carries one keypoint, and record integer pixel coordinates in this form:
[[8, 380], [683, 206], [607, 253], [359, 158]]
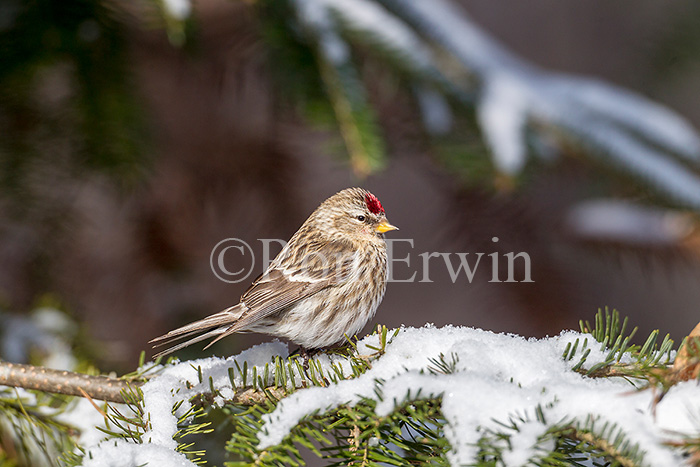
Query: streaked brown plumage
[[327, 282]]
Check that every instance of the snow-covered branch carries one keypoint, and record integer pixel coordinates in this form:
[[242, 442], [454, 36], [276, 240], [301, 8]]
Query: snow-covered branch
[[105, 388], [517, 398], [471, 396]]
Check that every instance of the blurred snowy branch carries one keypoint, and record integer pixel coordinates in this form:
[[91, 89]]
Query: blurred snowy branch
[[443, 49], [620, 221], [46, 333]]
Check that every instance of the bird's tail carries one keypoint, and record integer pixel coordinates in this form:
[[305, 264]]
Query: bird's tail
[[215, 324]]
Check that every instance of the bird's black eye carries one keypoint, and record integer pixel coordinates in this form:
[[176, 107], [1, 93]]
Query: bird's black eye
[[361, 218]]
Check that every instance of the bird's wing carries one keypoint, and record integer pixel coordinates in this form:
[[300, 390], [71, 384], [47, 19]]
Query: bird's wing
[[282, 286], [287, 281]]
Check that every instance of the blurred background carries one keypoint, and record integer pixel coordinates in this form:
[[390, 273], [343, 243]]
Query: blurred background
[[134, 136]]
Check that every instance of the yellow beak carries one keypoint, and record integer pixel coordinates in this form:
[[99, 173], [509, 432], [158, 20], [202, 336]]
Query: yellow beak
[[384, 226]]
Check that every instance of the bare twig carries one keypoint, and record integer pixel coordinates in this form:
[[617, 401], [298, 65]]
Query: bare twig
[[105, 388], [64, 382]]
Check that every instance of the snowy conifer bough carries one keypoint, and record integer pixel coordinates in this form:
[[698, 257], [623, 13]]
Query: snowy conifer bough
[[519, 106], [450, 396]]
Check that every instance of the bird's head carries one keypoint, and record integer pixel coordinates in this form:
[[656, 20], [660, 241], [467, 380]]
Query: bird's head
[[353, 212]]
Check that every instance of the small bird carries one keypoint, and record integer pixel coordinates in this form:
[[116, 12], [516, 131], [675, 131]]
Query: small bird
[[326, 283]]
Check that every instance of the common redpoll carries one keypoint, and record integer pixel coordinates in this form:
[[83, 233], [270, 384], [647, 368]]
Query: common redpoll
[[326, 283]]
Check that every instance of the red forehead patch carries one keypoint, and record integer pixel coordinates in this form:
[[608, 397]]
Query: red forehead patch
[[373, 204]]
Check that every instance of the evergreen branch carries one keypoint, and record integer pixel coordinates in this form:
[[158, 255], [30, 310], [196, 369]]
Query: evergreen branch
[[608, 449], [619, 370], [691, 446], [594, 437], [650, 361], [352, 123], [345, 90], [247, 397], [438, 45], [348, 435], [31, 434], [46, 420]]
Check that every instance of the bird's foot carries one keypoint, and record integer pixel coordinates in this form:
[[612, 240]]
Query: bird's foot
[[306, 355]]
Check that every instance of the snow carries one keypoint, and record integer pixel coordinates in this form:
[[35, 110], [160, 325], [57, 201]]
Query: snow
[[81, 414], [174, 384], [449, 26], [524, 444], [320, 16], [491, 384], [119, 453], [502, 116], [496, 377], [318, 19], [171, 386], [178, 9], [681, 399]]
